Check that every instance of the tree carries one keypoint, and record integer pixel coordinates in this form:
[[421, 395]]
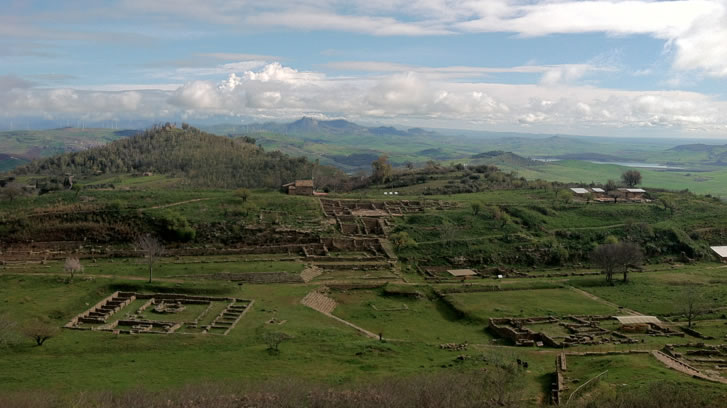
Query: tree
[[615, 257], [243, 194], [631, 177], [39, 331], [692, 304], [610, 186], [273, 340], [381, 169], [151, 248], [76, 188], [615, 194], [668, 204], [448, 233], [72, 266], [11, 191], [565, 195], [476, 208], [402, 240], [589, 197]]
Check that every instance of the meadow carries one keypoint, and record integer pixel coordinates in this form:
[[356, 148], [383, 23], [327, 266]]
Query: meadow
[[537, 239]]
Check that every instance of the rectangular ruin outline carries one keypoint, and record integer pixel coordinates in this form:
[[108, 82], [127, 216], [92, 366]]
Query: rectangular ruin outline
[[512, 328], [227, 319]]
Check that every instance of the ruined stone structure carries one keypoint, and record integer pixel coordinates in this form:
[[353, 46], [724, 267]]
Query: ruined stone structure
[[100, 316], [583, 330]]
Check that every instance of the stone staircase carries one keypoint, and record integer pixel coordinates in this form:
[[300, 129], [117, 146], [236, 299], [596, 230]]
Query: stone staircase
[[228, 318], [102, 312]]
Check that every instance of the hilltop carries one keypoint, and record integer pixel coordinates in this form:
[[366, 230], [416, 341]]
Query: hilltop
[[199, 158]]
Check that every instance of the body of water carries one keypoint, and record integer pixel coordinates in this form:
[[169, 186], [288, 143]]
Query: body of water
[[625, 164]]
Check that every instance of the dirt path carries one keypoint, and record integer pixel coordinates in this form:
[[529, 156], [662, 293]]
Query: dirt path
[[604, 301], [310, 273], [175, 204], [322, 303], [682, 367]]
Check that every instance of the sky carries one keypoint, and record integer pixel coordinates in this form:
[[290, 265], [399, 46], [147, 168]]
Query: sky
[[606, 68]]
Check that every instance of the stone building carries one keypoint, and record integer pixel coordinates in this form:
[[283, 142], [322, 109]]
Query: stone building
[[299, 187]]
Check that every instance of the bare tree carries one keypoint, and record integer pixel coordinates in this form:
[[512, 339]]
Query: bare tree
[[11, 191], [692, 304], [617, 257], [631, 177], [39, 331], [73, 266], [152, 249]]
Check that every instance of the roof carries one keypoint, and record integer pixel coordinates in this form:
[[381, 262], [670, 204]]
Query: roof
[[637, 319], [304, 183], [635, 190], [579, 190], [720, 250], [462, 272], [598, 190]]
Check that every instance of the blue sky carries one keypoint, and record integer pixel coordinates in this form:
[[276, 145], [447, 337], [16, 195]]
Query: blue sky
[[630, 68]]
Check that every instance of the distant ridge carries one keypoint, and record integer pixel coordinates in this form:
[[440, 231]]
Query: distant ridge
[[308, 125], [499, 157]]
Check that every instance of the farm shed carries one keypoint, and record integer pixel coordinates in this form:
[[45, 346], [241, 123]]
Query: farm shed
[[462, 273], [579, 190], [721, 252], [628, 320], [299, 187], [633, 193]]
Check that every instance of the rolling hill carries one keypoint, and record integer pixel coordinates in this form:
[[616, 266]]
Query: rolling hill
[[199, 158]]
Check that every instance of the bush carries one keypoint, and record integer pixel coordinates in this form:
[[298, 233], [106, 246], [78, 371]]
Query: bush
[[175, 227]]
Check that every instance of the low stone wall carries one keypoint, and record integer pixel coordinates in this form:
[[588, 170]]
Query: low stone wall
[[355, 286], [695, 333]]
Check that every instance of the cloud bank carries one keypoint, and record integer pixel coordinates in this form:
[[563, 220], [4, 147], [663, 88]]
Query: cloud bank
[[276, 91]]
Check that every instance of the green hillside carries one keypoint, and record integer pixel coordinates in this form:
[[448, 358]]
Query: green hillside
[[199, 158]]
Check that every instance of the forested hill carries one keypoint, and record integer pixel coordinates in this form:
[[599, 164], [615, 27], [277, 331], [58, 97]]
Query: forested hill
[[201, 158]]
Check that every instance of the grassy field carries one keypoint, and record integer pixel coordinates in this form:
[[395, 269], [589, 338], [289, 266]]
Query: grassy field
[[536, 234], [526, 303], [405, 319], [627, 371], [663, 292], [712, 181]]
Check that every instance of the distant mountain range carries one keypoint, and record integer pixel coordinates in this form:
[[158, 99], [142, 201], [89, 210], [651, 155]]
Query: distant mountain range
[[352, 147]]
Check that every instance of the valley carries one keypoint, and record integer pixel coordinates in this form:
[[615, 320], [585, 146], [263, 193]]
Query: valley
[[465, 268]]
